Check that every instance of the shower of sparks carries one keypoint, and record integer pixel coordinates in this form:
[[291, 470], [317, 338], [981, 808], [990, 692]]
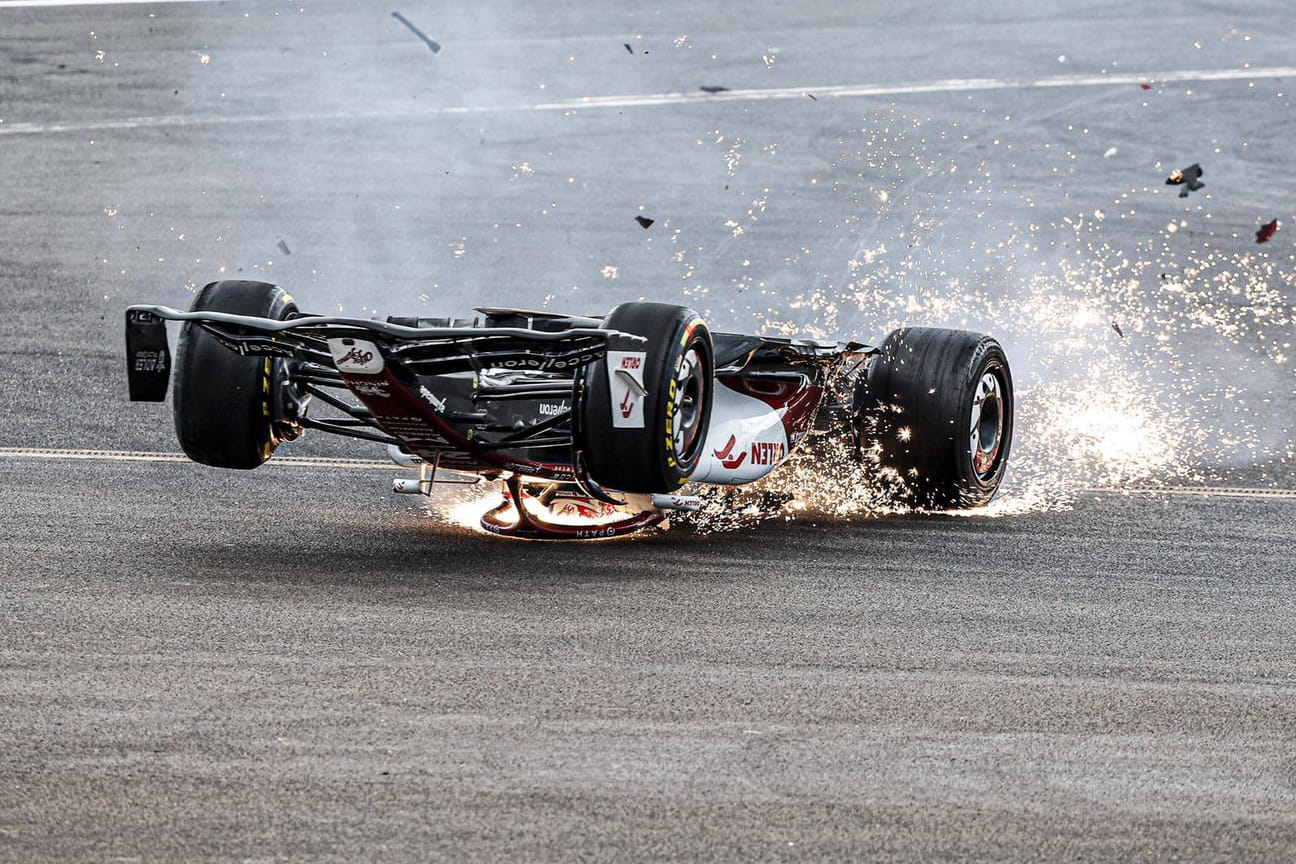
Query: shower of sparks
[[1150, 339], [1197, 380]]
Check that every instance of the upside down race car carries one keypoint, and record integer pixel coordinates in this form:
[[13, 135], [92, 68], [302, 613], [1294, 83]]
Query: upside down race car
[[596, 427]]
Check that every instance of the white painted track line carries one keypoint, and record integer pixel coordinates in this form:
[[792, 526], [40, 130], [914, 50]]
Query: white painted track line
[[587, 103], [36, 4]]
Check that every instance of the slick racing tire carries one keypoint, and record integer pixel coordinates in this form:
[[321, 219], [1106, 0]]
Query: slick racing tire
[[224, 402], [936, 406], [647, 434]]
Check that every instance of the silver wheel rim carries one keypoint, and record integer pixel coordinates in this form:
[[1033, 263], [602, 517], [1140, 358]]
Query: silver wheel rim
[[985, 435], [690, 390]]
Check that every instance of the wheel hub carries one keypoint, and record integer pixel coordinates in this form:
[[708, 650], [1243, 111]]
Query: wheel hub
[[689, 398], [986, 432]]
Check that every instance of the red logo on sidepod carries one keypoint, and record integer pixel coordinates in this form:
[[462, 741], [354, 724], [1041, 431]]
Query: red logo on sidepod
[[725, 459], [627, 406]]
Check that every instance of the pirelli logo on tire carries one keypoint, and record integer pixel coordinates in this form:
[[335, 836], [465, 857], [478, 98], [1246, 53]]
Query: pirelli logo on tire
[[625, 381]]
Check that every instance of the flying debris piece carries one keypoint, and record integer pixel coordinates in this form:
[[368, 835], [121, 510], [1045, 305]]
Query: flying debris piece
[[433, 46], [1189, 177], [627, 47], [812, 96], [711, 88], [643, 221], [1111, 151], [1146, 86], [1119, 332], [1266, 232], [283, 247]]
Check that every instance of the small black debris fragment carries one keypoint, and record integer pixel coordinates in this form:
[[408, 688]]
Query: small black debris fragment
[[643, 221], [628, 48], [711, 88], [1266, 231], [1116, 327], [812, 96], [1190, 177], [283, 247], [433, 46]]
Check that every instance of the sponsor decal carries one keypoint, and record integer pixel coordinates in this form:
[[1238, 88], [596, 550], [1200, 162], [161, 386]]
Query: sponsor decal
[[574, 509], [431, 399], [542, 363], [625, 378], [761, 453], [676, 502], [150, 361], [726, 457], [551, 470], [767, 452], [553, 409], [370, 388], [255, 347], [356, 356]]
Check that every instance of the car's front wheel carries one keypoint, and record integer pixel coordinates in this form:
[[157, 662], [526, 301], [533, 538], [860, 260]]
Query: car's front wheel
[[936, 406]]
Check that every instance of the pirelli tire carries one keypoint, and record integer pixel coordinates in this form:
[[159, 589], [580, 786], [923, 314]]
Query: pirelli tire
[[224, 403], [649, 438], [936, 407]]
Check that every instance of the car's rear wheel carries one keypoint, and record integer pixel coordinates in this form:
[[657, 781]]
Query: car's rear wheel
[[936, 406], [224, 403], [644, 412]]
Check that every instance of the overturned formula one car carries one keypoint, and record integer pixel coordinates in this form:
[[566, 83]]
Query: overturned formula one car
[[597, 427]]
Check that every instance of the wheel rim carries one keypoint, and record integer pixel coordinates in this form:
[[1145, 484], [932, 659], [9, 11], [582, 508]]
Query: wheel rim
[[690, 393], [987, 428]]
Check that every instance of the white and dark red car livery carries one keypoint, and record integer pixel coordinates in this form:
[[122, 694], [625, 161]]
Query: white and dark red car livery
[[596, 427]]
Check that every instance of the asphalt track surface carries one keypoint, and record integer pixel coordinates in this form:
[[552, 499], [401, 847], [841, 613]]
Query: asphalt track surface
[[291, 664]]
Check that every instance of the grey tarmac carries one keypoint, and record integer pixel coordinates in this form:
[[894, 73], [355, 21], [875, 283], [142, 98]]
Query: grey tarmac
[[293, 664]]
